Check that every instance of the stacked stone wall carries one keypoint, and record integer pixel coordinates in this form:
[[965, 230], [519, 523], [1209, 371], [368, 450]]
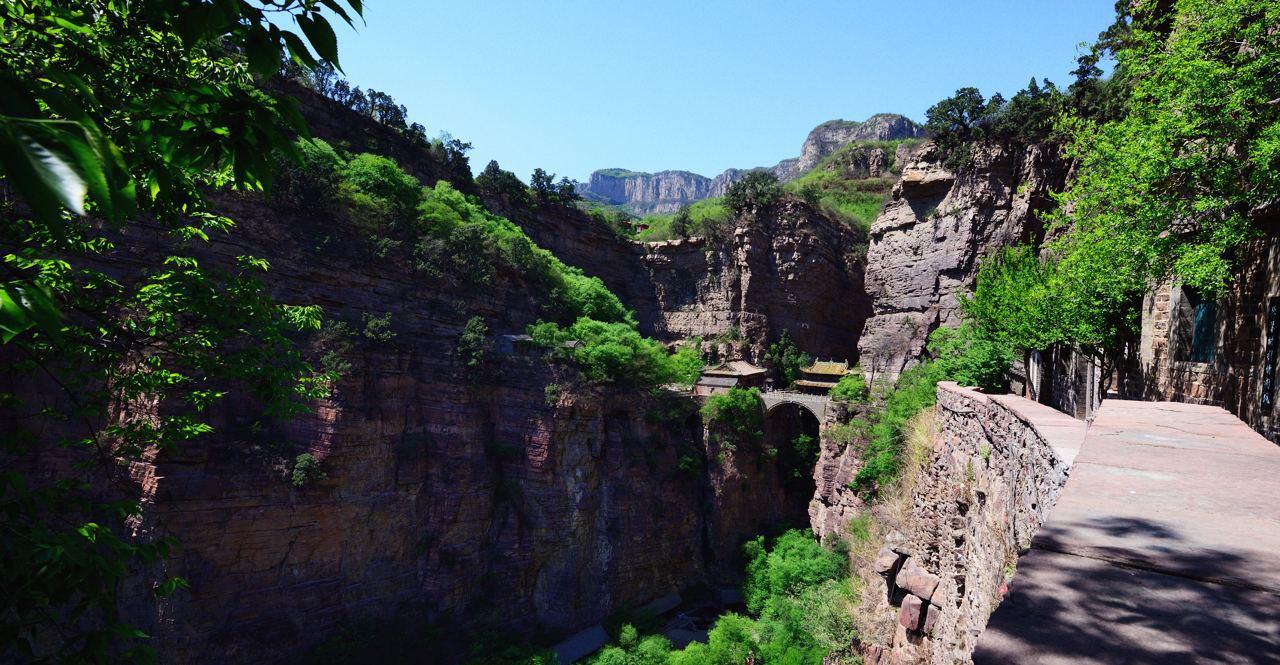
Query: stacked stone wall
[[989, 484]]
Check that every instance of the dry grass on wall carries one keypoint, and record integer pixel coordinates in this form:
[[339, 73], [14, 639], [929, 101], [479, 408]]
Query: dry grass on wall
[[891, 512]]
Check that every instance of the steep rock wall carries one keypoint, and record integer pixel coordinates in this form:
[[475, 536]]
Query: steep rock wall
[[787, 268], [926, 245], [643, 193], [454, 497]]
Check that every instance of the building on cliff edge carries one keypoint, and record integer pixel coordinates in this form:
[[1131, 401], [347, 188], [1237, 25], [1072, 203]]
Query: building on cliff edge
[[1221, 351]]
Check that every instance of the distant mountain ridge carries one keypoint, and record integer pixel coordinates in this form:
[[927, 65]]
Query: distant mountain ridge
[[666, 191]]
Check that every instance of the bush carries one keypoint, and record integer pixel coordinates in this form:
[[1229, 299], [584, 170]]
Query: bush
[[613, 353], [852, 387], [759, 189], [312, 183], [378, 187], [306, 470]]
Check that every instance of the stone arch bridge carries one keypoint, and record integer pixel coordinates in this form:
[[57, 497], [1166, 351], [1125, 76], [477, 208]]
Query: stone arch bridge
[[815, 404]]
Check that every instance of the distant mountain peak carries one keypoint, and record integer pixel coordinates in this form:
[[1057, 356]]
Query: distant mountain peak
[[666, 191]]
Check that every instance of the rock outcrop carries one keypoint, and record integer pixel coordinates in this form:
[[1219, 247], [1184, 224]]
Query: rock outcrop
[[783, 269], [643, 193], [666, 191], [832, 135], [927, 243]]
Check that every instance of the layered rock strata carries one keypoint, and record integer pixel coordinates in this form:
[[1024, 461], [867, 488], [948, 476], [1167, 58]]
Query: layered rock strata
[[666, 191], [926, 245], [786, 268]]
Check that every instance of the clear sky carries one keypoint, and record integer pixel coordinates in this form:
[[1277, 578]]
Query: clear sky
[[576, 85]]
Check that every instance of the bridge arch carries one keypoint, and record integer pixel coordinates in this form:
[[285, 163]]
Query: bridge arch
[[816, 405]]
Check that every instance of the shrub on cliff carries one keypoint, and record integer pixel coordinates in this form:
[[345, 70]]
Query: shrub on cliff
[[310, 183], [473, 342], [852, 387], [612, 353], [735, 417], [705, 218], [306, 470], [376, 186], [759, 189]]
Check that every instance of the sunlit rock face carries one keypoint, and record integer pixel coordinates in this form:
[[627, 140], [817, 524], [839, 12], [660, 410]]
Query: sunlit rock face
[[926, 245], [667, 191]]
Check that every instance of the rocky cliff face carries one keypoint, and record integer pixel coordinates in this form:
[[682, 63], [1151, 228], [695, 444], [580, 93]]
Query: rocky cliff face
[[643, 193], [667, 191], [832, 135], [926, 244], [785, 269], [509, 496]]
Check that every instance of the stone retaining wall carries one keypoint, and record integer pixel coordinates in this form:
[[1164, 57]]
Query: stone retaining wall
[[989, 483]]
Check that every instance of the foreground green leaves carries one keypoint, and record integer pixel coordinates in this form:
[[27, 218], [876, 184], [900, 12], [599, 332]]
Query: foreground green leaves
[[112, 112]]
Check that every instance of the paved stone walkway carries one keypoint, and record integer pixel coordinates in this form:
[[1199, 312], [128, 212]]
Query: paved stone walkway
[[1163, 548]]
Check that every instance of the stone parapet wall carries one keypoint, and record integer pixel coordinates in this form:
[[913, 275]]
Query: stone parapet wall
[[989, 484]]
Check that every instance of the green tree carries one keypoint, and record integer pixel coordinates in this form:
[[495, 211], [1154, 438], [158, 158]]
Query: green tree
[[494, 180], [785, 358], [1167, 191], [955, 123], [681, 222], [758, 189], [111, 111], [473, 342]]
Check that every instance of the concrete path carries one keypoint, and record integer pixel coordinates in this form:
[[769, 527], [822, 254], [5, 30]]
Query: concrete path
[[1163, 548]]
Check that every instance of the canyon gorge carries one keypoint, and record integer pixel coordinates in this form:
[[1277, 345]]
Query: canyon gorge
[[513, 495], [288, 379]]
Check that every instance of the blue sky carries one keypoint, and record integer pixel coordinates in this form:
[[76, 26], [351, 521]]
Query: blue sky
[[572, 85]]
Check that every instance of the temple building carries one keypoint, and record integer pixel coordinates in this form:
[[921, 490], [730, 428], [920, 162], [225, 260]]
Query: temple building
[[733, 374], [820, 377]]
